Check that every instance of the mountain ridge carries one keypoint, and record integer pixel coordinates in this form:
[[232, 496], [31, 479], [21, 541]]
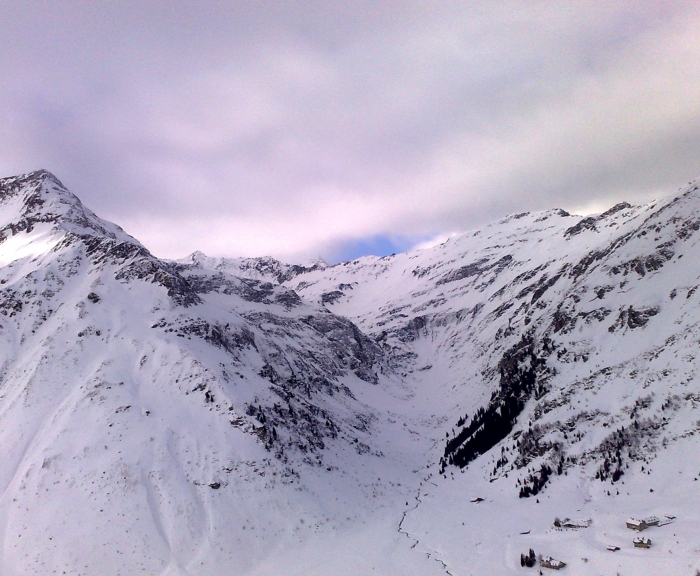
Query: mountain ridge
[[248, 416]]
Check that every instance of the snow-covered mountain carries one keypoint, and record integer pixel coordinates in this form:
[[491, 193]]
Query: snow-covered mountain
[[246, 416]]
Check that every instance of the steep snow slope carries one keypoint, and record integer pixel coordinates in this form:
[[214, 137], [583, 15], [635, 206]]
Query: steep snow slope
[[155, 424], [245, 416]]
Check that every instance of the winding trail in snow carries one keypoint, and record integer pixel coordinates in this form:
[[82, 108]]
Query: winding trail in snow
[[430, 555]]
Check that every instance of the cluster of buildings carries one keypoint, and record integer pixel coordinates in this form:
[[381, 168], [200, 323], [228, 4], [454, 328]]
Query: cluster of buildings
[[638, 525], [643, 524]]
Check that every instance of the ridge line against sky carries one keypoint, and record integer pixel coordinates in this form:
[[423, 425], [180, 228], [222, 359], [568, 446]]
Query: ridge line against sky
[[337, 129]]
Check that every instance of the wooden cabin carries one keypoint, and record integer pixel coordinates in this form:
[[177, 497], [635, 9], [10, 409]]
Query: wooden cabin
[[549, 562], [638, 525], [641, 542]]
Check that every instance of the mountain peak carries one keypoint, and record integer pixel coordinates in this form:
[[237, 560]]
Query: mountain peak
[[39, 198], [43, 175]]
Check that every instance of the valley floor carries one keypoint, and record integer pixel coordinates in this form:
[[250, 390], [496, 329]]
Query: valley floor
[[488, 537]]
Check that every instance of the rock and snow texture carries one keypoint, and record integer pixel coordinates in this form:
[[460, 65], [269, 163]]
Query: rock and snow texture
[[246, 416]]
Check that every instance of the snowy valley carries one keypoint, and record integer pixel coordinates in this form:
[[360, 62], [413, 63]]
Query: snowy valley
[[431, 412]]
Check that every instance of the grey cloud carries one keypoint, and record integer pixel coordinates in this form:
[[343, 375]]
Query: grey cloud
[[294, 128]]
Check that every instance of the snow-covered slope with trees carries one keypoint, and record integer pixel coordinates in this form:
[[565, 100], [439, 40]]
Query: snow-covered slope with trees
[[246, 416]]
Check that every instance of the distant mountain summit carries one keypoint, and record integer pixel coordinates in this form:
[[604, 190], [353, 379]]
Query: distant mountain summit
[[262, 268], [431, 412]]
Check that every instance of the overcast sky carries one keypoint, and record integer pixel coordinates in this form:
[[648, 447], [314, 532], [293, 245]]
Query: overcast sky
[[334, 129]]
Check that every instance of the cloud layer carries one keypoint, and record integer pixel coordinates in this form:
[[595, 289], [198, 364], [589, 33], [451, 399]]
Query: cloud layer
[[336, 128]]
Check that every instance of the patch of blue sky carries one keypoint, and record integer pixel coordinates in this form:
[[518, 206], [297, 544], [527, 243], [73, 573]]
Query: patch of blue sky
[[377, 245]]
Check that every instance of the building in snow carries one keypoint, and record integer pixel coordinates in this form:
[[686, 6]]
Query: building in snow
[[651, 521], [549, 562], [613, 548], [568, 523], [641, 542], [638, 525]]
